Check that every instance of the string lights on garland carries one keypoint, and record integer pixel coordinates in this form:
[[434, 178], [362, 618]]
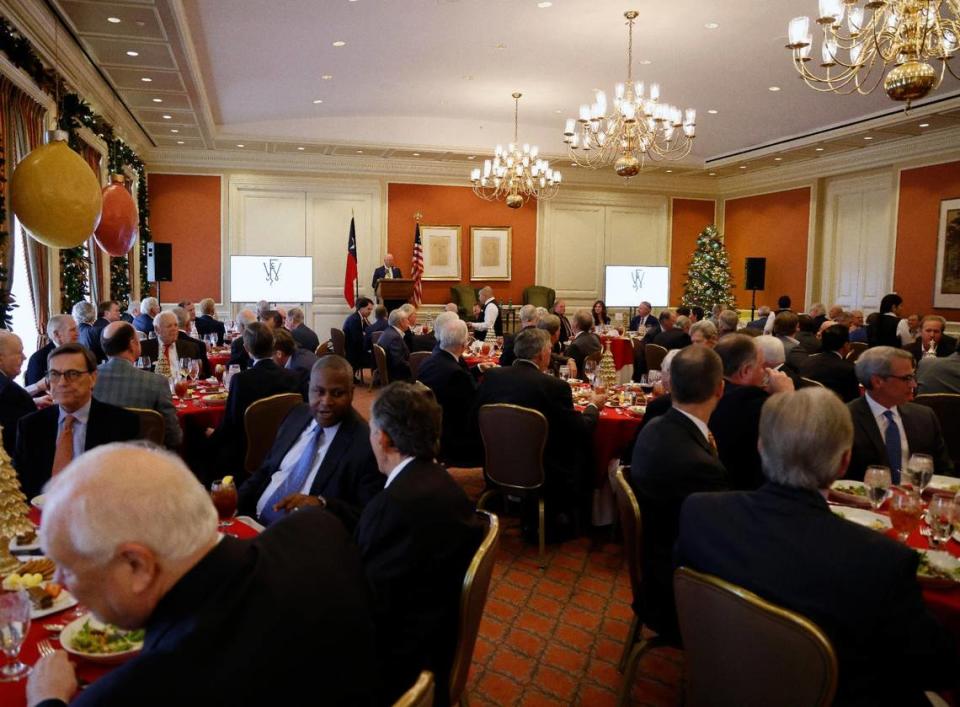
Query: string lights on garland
[[709, 279], [7, 301]]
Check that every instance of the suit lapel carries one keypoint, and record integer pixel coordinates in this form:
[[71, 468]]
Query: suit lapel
[[336, 451], [864, 418], [694, 431], [911, 428]]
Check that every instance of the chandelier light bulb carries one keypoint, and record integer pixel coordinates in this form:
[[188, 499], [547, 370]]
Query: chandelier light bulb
[[831, 9], [855, 19], [797, 30]]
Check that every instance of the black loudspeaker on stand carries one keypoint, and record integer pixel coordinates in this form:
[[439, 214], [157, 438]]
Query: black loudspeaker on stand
[[755, 275], [159, 263]]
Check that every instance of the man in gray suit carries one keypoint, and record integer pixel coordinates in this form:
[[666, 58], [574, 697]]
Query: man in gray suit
[[939, 375], [120, 383]]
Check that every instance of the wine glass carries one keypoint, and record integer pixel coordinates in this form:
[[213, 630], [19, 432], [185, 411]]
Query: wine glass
[[877, 481], [589, 369], [223, 492], [919, 471], [14, 626], [194, 370], [941, 516], [905, 514]]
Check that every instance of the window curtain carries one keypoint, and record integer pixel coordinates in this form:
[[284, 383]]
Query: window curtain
[[21, 119], [95, 254]]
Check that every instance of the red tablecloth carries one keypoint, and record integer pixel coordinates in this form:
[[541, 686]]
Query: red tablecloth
[[621, 348], [13, 694], [195, 412], [472, 360], [616, 429], [219, 358]]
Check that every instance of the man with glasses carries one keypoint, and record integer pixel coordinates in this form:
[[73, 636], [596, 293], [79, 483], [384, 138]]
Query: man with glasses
[[887, 428], [50, 439]]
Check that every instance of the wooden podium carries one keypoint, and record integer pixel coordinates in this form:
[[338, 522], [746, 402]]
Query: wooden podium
[[394, 292]]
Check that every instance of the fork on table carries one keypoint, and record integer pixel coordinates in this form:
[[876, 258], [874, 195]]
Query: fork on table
[[44, 647]]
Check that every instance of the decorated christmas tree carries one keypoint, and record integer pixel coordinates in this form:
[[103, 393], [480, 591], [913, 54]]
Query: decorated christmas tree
[[709, 280], [13, 513]]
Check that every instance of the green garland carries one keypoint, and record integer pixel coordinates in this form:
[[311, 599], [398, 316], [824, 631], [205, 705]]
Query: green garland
[[7, 302], [73, 276], [74, 113], [120, 281], [709, 280]]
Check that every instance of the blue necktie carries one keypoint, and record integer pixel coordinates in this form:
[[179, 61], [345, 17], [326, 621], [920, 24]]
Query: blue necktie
[[295, 479], [894, 452]]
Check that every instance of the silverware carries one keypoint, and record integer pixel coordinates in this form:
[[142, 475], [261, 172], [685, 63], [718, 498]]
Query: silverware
[[54, 628], [45, 648], [925, 531]]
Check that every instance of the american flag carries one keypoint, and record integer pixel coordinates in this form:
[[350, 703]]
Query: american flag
[[417, 268]]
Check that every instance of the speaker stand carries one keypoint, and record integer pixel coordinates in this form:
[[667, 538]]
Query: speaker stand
[[753, 305]]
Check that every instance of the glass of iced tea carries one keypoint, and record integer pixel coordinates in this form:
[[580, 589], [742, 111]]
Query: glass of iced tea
[[905, 509], [223, 492]]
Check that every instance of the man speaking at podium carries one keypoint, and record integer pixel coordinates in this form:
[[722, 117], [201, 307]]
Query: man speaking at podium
[[387, 271]]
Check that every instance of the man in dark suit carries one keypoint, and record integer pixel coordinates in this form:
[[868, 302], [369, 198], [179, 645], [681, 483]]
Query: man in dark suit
[[747, 386], [380, 323], [416, 539], [107, 313], [354, 327], [830, 367], [15, 402], [49, 439], [321, 456], [149, 308], [644, 321], [889, 329], [455, 388], [939, 375], [933, 343], [566, 328], [887, 428], [304, 336], [169, 344], [261, 380], [528, 318], [567, 455], [584, 342], [818, 315], [287, 354], [238, 354], [398, 355], [207, 322], [807, 329], [670, 336], [783, 543], [386, 271], [183, 327], [763, 313], [673, 457], [61, 329], [212, 605], [85, 315], [785, 327]]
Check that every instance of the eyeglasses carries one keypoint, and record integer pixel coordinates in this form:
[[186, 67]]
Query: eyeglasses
[[71, 376], [909, 378]]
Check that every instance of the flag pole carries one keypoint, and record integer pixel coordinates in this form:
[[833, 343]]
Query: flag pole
[[356, 283]]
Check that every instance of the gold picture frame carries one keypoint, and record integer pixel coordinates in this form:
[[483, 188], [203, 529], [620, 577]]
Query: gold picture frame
[[441, 252], [490, 252], [946, 293]]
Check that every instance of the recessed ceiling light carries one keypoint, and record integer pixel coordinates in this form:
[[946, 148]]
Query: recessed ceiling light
[[712, 111], [544, 4], [558, 111], [327, 77], [924, 125], [669, 171], [339, 43], [743, 166], [819, 149], [867, 137], [713, 174], [168, 117], [174, 130], [240, 144], [359, 152], [114, 20], [500, 45], [133, 53], [146, 79], [179, 142], [778, 159], [574, 164], [711, 25], [774, 88], [301, 148], [645, 62], [158, 100], [319, 100], [416, 154], [471, 157]]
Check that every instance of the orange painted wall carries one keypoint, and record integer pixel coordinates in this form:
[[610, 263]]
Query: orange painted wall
[[918, 220], [185, 211], [772, 226], [452, 206], [689, 218]]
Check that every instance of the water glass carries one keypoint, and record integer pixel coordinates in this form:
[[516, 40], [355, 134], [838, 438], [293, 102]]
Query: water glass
[[941, 517], [564, 373], [877, 481], [905, 514], [919, 471], [194, 370], [14, 626]]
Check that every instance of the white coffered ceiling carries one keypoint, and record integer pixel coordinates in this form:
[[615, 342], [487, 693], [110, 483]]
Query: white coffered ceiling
[[435, 76]]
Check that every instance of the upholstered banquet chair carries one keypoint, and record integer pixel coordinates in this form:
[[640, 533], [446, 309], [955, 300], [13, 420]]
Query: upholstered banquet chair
[[743, 651], [540, 296], [420, 695], [261, 420], [947, 408], [856, 348], [339, 341], [151, 425], [513, 440], [416, 360], [380, 357], [654, 354]]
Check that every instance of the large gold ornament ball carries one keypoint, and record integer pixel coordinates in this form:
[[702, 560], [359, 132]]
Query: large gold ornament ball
[[910, 81], [514, 201], [55, 194], [627, 166]]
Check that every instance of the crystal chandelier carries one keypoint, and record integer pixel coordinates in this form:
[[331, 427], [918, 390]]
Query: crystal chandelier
[[515, 174], [907, 34], [639, 127]]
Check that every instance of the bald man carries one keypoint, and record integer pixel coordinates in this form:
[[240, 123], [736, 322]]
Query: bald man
[[15, 402], [208, 602], [387, 271]]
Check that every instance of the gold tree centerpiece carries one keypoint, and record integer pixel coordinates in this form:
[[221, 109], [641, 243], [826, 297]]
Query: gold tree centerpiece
[[13, 513]]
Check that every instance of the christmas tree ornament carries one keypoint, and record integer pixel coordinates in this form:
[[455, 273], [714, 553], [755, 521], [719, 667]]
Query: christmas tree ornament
[[56, 195], [119, 220], [13, 513]]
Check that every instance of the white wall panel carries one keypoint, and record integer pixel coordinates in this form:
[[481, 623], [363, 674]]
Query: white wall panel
[[577, 250], [271, 223], [634, 236]]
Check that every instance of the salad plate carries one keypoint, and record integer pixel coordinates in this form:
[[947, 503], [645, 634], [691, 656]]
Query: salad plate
[[99, 642]]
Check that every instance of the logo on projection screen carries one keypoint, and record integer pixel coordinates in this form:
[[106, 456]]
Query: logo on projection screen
[[272, 268], [637, 278], [276, 278], [628, 285]]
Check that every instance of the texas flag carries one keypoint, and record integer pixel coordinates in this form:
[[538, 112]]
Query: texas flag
[[350, 276]]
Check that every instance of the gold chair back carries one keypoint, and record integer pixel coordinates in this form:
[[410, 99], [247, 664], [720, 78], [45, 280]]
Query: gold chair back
[[416, 360], [514, 438], [151, 425], [856, 348], [810, 383], [743, 651], [631, 522], [380, 357], [339, 341], [654, 354], [473, 599], [375, 336], [420, 695], [323, 349], [261, 420]]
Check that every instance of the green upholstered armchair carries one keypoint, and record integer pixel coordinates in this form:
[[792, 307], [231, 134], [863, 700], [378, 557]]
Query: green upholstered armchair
[[465, 297], [539, 296]]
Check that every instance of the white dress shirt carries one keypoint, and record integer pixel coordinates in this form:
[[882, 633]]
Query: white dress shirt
[[489, 315], [292, 457], [903, 330], [877, 409], [701, 425], [80, 419], [395, 471]]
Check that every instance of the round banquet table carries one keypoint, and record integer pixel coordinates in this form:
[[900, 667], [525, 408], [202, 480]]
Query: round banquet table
[[221, 359], [13, 694], [193, 412]]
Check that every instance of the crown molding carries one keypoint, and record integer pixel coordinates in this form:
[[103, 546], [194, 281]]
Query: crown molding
[[57, 48]]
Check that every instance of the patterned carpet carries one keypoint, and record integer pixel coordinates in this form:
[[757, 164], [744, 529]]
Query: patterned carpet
[[554, 636]]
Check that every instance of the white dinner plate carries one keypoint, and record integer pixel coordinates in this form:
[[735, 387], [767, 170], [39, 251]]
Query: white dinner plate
[[64, 600], [71, 629], [17, 546], [860, 516], [944, 483], [943, 561], [849, 487]]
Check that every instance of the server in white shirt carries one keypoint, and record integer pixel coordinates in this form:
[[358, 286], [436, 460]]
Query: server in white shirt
[[489, 315], [321, 455]]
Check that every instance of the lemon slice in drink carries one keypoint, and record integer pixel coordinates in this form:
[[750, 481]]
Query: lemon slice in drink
[[227, 480]]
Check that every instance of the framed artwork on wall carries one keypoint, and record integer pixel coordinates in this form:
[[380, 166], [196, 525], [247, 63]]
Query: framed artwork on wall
[[441, 252], [490, 252], [947, 286]]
